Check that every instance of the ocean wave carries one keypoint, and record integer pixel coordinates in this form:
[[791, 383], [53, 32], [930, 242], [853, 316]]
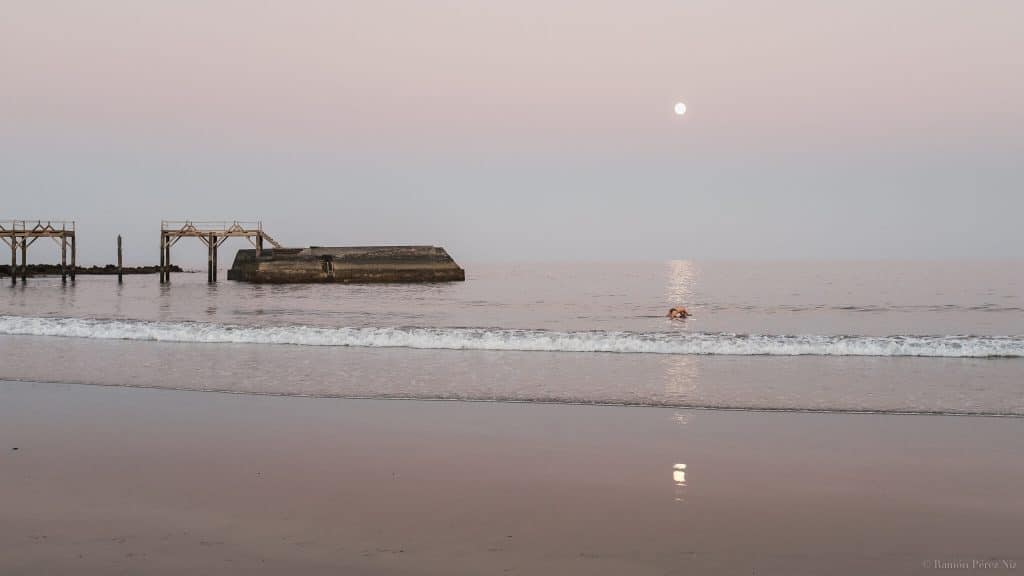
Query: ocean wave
[[689, 343]]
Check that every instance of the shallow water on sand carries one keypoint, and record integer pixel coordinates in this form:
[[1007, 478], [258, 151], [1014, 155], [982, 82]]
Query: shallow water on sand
[[874, 336]]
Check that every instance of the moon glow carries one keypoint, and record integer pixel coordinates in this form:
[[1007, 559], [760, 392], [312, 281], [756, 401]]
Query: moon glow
[[680, 108]]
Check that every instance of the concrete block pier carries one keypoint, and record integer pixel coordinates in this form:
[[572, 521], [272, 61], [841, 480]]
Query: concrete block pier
[[355, 264]]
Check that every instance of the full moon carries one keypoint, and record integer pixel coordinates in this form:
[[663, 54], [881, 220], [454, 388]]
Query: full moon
[[680, 108]]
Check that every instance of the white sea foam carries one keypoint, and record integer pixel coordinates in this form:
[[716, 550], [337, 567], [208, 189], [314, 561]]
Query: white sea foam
[[524, 340]]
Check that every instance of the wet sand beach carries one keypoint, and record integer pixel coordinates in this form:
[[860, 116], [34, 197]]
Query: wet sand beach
[[108, 480]]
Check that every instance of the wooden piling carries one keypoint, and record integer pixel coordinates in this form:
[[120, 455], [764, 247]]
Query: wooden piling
[[209, 259], [167, 261], [24, 259], [213, 247], [74, 257], [14, 260], [63, 260], [161, 268], [120, 266]]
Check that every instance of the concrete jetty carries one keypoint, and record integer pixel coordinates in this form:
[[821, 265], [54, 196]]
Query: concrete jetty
[[350, 264]]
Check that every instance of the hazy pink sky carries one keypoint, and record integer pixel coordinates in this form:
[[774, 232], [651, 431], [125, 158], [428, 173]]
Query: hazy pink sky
[[374, 105]]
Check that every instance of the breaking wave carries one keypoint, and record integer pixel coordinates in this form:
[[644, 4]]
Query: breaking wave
[[697, 343]]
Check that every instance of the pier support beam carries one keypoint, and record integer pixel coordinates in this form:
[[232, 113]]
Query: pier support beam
[[63, 260], [24, 259], [74, 258], [14, 260], [213, 250], [167, 260], [120, 267], [161, 268], [209, 258]]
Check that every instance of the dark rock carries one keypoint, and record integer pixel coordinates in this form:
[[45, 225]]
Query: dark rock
[[109, 270]]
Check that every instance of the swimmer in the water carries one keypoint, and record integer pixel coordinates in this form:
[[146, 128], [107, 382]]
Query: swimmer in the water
[[678, 312]]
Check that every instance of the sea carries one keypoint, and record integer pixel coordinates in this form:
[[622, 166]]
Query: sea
[[847, 336]]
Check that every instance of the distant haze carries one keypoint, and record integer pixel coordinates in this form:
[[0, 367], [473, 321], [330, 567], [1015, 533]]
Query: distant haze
[[522, 130]]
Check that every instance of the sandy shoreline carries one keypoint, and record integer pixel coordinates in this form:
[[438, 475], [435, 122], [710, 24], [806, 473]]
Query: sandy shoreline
[[852, 384], [121, 480]]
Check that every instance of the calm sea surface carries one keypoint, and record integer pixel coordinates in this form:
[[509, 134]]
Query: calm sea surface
[[836, 336]]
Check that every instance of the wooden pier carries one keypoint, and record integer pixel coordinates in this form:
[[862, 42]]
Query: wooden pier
[[212, 234], [23, 233], [341, 264]]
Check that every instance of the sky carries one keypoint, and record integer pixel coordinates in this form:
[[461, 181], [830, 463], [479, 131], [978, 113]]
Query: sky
[[529, 130]]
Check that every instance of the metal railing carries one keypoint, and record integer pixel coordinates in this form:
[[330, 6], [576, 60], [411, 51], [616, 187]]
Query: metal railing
[[210, 225], [30, 226]]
